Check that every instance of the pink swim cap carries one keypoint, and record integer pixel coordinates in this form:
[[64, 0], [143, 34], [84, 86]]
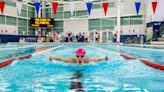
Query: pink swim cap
[[80, 51]]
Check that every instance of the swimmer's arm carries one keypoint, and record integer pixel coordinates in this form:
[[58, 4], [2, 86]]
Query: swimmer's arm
[[68, 60], [98, 59]]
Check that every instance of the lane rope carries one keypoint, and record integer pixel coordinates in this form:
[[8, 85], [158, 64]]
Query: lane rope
[[5, 63], [153, 65], [146, 62]]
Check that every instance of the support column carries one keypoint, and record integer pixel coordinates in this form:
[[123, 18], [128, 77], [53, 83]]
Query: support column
[[43, 12], [118, 20], [27, 20], [101, 36], [94, 36], [39, 16], [107, 36]]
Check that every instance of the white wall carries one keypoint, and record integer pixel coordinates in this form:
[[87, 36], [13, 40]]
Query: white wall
[[78, 7], [12, 30], [76, 25], [10, 10], [159, 15]]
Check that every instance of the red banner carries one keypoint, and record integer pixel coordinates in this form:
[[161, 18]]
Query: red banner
[[2, 5], [154, 6], [105, 6], [55, 6]]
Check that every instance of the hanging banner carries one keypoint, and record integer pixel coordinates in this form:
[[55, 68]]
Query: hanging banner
[[55, 6], [19, 7], [89, 7], [37, 7], [137, 5], [105, 6], [72, 7], [154, 6], [2, 5]]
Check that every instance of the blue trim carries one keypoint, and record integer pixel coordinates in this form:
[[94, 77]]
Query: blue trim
[[14, 38]]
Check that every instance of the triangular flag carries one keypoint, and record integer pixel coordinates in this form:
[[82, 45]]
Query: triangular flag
[[105, 6], [2, 5], [72, 7], [19, 7], [55, 6], [89, 7], [154, 6], [37, 7], [137, 4]]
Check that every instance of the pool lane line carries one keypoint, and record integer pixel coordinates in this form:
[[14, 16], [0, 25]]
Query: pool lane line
[[145, 61], [5, 63]]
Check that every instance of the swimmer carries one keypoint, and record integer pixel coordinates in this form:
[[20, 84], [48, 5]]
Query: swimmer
[[80, 58]]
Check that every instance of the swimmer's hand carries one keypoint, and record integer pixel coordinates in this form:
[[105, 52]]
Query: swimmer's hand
[[50, 58], [106, 58], [17, 59]]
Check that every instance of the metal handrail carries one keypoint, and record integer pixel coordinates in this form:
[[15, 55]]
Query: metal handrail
[[127, 40], [161, 31], [134, 39]]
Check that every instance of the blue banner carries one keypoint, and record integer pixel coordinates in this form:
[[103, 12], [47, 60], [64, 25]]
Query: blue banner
[[137, 4], [37, 7], [89, 7]]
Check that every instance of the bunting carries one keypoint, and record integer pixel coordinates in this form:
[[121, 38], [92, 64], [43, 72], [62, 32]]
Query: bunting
[[19, 7], [154, 6], [105, 6], [2, 5], [37, 7], [89, 7], [137, 5], [55, 6]]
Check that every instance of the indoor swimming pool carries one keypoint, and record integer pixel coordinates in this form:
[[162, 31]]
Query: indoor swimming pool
[[38, 74]]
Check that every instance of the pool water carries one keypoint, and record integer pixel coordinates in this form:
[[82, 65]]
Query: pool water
[[38, 74]]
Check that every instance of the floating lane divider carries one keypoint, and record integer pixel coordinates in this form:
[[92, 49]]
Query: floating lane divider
[[146, 62], [115, 53], [5, 63], [128, 57], [111, 52], [153, 65], [44, 51], [37, 53]]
